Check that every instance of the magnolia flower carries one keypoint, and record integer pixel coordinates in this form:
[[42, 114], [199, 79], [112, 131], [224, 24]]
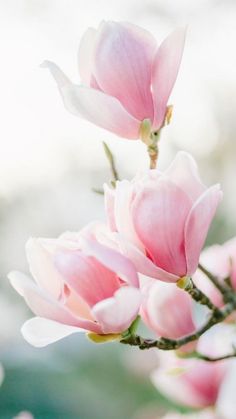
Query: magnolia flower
[[167, 310], [190, 382], [125, 77], [80, 285], [160, 220], [220, 260]]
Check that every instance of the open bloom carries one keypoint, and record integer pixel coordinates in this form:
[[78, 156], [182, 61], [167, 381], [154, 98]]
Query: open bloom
[[125, 77], [190, 382], [160, 220], [220, 260], [167, 310], [80, 285]]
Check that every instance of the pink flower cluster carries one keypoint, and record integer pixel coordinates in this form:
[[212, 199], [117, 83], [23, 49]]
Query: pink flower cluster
[[157, 224], [100, 279]]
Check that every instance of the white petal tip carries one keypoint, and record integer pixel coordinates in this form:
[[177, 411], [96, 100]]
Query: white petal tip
[[61, 79], [40, 332]]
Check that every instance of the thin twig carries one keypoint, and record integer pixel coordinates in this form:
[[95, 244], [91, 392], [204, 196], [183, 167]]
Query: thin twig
[[153, 149], [212, 278], [207, 358], [199, 296], [111, 160], [171, 344]]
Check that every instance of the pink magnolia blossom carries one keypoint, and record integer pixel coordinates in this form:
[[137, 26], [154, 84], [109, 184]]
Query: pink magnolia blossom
[[220, 260], [190, 382], [160, 220], [125, 77], [167, 310], [80, 285]]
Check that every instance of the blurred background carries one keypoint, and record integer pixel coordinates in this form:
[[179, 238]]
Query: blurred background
[[50, 161]]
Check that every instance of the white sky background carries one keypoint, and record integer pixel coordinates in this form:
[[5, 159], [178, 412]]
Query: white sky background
[[38, 137]]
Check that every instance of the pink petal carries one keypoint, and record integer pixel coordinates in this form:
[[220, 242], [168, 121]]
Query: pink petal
[[229, 249], [44, 306], [123, 216], [196, 385], [168, 310], [95, 106], [183, 172], [41, 332], [142, 263], [123, 63], [109, 198], [113, 260], [85, 56], [42, 268], [86, 276], [197, 225], [116, 314], [159, 218], [165, 69]]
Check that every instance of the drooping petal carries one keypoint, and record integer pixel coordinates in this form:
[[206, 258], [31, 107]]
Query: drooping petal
[[165, 69], [40, 332], [113, 260], [95, 106], [86, 56], [42, 268], [123, 64], [159, 218], [197, 225], [45, 306], [183, 172], [116, 314], [86, 276]]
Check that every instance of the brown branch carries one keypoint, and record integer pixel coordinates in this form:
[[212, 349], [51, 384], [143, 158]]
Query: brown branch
[[213, 279], [207, 358], [172, 344]]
